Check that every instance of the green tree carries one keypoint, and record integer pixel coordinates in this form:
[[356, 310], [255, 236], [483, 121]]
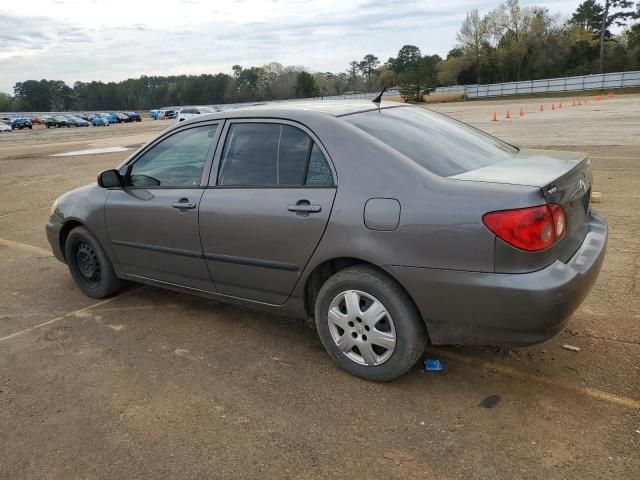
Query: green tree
[[588, 15], [33, 95], [306, 86], [6, 102], [419, 78], [368, 66], [407, 56]]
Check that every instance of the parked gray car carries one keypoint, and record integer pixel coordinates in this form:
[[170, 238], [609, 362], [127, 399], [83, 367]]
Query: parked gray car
[[387, 226]]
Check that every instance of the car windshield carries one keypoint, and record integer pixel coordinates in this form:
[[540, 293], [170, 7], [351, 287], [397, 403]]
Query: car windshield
[[439, 143]]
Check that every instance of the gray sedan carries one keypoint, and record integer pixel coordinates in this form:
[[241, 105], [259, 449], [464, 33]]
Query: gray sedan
[[386, 226]]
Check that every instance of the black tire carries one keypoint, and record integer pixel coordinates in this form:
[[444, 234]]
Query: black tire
[[89, 265], [410, 331]]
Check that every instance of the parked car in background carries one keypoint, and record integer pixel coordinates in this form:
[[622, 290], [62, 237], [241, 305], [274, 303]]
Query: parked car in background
[[154, 114], [122, 117], [168, 114], [4, 127], [84, 116], [56, 121], [111, 117], [133, 116], [21, 122], [189, 112], [36, 120], [74, 121], [99, 121], [388, 225]]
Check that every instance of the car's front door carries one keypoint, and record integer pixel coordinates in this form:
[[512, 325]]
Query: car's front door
[[266, 209], [153, 221]]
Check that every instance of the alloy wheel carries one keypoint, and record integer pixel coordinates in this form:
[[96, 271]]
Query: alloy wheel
[[362, 328]]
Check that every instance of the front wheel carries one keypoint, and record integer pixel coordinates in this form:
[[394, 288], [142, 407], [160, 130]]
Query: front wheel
[[89, 265], [368, 324]]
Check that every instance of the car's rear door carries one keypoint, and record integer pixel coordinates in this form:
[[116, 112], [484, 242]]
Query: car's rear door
[[270, 197], [153, 222]]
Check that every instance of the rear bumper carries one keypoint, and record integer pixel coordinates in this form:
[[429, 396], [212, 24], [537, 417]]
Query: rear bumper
[[505, 309]]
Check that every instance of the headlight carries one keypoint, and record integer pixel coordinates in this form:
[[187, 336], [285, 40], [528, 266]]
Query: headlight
[[54, 207]]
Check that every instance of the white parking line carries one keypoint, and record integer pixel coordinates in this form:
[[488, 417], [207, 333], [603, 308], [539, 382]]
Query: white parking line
[[70, 314], [24, 246]]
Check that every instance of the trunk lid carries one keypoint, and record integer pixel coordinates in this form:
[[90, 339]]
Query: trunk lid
[[564, 178]]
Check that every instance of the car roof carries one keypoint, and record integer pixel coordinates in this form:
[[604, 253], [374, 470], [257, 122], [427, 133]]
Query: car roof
[[297, 110], [335, 108]]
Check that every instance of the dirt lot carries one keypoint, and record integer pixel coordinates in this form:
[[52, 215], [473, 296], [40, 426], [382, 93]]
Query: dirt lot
[[155, 384]]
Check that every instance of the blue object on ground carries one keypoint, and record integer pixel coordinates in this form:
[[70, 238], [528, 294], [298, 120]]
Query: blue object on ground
[[434, 365], [491, 401]]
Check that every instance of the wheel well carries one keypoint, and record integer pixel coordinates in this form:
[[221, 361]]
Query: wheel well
[[328, 268], [64, 233]]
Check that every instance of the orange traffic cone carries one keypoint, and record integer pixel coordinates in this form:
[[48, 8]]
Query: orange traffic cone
[[521, 112], [573, 104], [508, 115], [560, 106], [541, 107], [585, 101], [610, 94], [495, 117], [553, 106]]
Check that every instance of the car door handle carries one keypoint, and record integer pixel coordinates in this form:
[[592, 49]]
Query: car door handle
[[182, 205], [304, 208]]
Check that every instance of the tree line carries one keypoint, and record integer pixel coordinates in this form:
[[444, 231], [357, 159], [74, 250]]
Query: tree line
[[510, 43]]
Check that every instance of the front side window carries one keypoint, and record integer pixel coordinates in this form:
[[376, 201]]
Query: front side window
[[177, 161], [271, 154]]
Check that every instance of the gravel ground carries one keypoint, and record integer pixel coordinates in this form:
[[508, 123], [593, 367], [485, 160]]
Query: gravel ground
[[156, 384]]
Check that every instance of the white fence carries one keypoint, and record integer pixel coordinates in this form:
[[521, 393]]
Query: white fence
[[606, 81]]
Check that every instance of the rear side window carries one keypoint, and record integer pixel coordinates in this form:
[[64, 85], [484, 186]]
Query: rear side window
[[271, 154], [441, 144]]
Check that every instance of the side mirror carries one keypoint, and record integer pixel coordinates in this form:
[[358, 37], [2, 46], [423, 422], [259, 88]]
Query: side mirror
[[110, 179]]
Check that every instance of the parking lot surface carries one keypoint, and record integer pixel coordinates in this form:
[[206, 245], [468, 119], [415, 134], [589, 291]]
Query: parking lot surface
[[156, 384]]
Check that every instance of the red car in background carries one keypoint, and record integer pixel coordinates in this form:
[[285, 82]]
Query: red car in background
[[36, 120]]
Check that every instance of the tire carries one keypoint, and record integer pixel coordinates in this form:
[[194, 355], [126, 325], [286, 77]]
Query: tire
[[89, 265], [400, 327]]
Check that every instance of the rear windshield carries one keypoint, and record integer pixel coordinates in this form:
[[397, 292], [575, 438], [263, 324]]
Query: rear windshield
[[441, 144]]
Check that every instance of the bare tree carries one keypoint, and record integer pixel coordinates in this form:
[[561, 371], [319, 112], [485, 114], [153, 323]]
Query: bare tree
[[510, 24], [474, 33]]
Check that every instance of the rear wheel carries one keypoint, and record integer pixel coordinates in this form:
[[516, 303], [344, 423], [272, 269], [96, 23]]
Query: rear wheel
[[368, 324], [89, 265]]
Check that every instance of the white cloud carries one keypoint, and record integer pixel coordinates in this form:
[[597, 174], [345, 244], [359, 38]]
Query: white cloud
[[112, 40]]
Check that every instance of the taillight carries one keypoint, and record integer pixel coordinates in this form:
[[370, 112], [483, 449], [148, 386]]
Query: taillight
[[531, 229]]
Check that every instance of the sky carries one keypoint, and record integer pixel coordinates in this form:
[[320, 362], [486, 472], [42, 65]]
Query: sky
[[112, 40]]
